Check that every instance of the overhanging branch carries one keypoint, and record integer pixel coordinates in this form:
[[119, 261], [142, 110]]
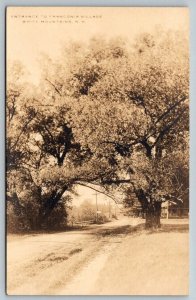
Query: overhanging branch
[[54, 86]]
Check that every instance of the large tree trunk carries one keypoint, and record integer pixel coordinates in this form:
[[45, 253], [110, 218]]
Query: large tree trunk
[[153, 215], [49, 204]]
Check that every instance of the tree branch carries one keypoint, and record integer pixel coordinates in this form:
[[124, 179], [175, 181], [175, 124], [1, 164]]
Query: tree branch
[[168, 127], [54, 86], [96, 190], [22, 130], [169, 110]]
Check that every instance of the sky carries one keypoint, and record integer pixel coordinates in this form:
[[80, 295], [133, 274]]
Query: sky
[[31, 31], [90, 195]]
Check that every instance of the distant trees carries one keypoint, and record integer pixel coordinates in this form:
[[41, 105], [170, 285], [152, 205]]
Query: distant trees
[[87, 212], [105, 113]]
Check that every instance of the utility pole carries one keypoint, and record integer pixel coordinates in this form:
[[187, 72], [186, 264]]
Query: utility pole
[[109, 209], [96, 203]]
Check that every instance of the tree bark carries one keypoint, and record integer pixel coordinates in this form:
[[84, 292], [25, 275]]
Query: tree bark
[[153, 215], [50, 203]]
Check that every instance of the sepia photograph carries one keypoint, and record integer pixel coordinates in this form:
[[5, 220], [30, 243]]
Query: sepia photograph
[[97, 151]]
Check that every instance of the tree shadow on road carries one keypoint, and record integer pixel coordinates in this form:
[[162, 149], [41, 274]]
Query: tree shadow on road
[[140, 229], [174, 228], [121, 230], [112, 231]]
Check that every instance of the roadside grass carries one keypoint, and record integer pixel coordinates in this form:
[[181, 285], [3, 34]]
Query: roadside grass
[[148, 263]]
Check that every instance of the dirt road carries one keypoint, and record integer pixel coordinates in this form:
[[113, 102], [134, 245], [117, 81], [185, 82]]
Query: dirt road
[[114, 258]]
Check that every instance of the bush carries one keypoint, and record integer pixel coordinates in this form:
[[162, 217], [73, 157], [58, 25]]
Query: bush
[[29, 219]]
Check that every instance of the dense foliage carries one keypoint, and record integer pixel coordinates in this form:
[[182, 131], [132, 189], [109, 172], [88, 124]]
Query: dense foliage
[[106, 113]]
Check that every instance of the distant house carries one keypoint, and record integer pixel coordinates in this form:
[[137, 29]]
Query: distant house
[[172, 209]]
